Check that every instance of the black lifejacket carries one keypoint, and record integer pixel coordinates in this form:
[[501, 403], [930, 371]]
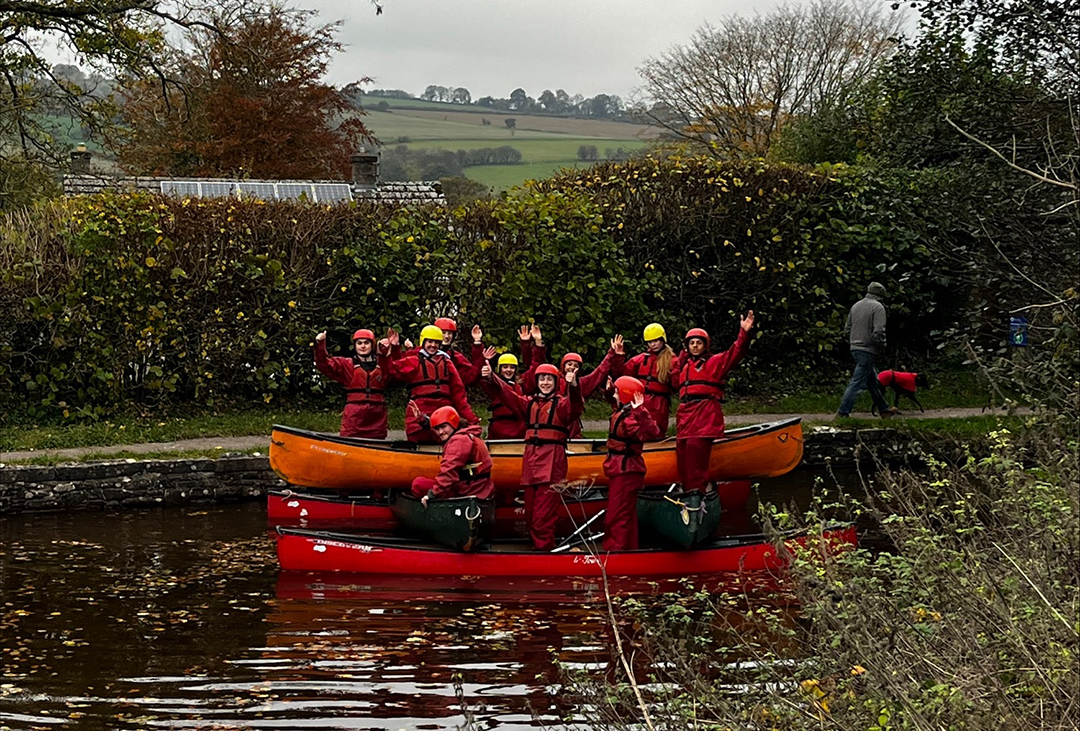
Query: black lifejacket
[[434, 378], [694, 386], [368, 385], [645, 371], [540, 426]]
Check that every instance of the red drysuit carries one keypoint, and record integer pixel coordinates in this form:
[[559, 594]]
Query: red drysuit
[[625, 469], [504, 423], [590, 382], [433, 381], [465, 468], [365, 385], [657, 394], [700, 417], [547, 420]]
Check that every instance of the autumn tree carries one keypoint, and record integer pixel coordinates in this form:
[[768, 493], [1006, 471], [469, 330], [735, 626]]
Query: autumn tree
[[733, 87], [38, 99], [253, 103]]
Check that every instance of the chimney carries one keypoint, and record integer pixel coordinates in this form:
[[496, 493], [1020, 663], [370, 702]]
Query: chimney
[[80, 160], [365, 169]]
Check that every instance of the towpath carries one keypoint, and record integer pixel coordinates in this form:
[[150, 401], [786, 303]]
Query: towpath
[[243, 444]]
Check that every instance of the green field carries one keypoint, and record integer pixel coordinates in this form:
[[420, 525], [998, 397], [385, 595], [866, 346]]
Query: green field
[[543, 149]]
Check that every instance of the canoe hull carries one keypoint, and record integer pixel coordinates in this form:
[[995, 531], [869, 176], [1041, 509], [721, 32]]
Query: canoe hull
[[300, 550], [461, 523], [681, 520], [323, 461]]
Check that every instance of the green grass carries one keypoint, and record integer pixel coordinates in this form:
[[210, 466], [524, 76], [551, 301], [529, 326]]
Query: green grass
[[562, 149], [956, 389], [388, 127], [504, 177]]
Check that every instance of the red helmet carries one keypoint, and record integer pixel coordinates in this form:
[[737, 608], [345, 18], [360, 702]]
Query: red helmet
[[445, 415], [546, 369], [446, 324], [363, 335], [570, 358], [626, 387], [697, 332]]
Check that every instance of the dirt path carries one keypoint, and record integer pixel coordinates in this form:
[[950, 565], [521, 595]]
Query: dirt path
[[237, 444]]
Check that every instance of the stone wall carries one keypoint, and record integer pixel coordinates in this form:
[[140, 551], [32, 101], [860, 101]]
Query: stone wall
[[137, 484], [134, 484]]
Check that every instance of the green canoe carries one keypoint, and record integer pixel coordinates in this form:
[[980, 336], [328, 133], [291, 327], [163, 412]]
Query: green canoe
[[681, 519], [462, 523]]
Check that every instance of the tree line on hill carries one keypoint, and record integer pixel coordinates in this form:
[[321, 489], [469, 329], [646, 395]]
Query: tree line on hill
[[402, 163], [556, 103]]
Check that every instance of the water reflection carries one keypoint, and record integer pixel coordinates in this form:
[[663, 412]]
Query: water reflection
[[179, 619]]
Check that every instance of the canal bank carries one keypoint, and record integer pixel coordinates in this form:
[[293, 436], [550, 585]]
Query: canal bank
[[230, 478]]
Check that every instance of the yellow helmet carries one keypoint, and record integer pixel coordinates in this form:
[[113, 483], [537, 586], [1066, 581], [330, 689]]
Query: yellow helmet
[[430, 332], [508, 359], [655, 331]]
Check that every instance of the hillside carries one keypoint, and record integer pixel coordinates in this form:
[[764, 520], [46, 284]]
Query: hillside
[[547, 143]]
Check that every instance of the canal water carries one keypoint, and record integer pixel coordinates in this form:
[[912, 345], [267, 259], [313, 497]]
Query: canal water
[[180, 619]]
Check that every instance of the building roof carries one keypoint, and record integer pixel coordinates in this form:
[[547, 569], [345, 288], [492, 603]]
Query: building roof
[[390, 193]]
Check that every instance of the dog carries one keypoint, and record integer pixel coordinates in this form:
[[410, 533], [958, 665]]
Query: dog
[[903, 383]]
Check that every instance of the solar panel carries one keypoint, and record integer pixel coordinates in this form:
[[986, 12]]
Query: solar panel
[[294, 190], [180, 187], [217, 189], [332, 192], [264, 191]]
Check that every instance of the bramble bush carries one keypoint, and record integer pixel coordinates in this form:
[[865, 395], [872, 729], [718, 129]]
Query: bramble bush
[[135, 301]]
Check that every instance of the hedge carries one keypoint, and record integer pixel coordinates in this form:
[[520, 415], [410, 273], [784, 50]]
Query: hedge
[[122, 301]]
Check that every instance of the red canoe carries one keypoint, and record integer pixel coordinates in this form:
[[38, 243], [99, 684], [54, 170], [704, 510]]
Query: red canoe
[[286, 507], [304, 550]]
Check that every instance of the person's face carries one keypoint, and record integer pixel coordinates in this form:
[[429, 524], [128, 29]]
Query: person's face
[[443, 432], [655, 346], [696, 346], [431, 347], [363, 346], [507, 371], [448, 338], [546, 383], [571, 366]]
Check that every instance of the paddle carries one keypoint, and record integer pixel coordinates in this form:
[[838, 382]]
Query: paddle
[[569, 541]]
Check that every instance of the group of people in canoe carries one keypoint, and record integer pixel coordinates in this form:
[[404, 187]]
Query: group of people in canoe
[[535, 401]]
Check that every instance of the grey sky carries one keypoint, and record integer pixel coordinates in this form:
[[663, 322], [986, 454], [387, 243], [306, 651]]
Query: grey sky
[[492, 47]]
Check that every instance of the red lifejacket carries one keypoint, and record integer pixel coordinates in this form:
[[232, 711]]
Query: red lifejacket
[[645, 371], [434, 378], [540, 427], [695, 386], [619, 440], [366, 387]]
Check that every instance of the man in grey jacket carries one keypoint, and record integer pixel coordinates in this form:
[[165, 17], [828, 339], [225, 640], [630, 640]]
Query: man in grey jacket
[[865, 329]]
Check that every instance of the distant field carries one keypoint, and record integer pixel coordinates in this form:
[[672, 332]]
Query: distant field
[[546, 143], [504, 177]]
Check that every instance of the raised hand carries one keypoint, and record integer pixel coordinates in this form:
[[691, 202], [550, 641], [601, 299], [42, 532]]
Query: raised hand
[[477, 334], [408, 344], [524, 332], [320, 337], [747, 322], [571, 377], [535, 333], [489, 352], [485, 371], [637, 399], [392, 336], [617, 345]]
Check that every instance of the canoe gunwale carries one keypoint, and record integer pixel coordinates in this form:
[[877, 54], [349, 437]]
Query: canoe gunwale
[[596, 446], [404, 542]]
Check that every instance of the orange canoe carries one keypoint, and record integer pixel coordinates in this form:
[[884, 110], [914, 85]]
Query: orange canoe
[[311, 459]]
